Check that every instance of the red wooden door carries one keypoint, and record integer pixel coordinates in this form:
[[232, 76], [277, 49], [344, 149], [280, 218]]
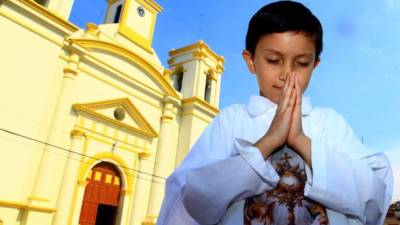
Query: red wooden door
[[103, 188]]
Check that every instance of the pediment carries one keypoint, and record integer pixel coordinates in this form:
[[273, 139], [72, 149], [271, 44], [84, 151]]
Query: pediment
[[120, 113]]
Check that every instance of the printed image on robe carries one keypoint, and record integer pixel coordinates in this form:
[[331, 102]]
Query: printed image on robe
[[286, 204]]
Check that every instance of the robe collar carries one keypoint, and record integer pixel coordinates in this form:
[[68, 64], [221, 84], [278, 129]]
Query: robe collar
[[258, 105]]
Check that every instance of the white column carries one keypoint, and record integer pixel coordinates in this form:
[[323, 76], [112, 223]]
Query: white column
[[164, 163], [70, 179], [140, 199], [79, 200], [45, 190]]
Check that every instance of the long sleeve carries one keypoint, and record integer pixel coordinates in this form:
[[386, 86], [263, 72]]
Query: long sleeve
[[210, 189], [346, 177]]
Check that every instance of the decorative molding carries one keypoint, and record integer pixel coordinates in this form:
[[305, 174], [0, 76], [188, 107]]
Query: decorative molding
[[179, 68], [171, 61], [211, 75], [193, 59], [93, 29], [167, 73], [144, 155], [29, 27], [127, 173], [50, 15], [152, 4], [200, 45], [219, 68], [70, 71], [133, 57], [33, 198], [82, 183], [144, 129], [197, 101], [166, 118], [126, 193], [75, 133], [24, 206], [110, 2], [199, 55], [150, 220]]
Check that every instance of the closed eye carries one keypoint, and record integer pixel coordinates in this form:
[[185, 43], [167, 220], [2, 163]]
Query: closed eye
[[273, 61], [303, 64]]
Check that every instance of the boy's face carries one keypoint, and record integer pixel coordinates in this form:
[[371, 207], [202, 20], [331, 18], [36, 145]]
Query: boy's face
[[278, 54]]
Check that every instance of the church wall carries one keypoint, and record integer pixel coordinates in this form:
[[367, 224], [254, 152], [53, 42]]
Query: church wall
[[192, 124], [189, 81], [184, 137], [109, 32], [10, 215], [202, 77], [31, 79], [128, 70]]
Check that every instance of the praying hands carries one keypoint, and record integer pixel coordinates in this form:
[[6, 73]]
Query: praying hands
[[286, 127]]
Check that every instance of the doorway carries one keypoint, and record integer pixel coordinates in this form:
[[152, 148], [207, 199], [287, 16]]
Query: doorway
[[101, 198]]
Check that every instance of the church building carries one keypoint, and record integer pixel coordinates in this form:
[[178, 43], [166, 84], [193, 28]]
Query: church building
[[91, 123]]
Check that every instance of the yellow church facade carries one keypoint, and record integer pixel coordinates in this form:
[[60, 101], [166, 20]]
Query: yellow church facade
[[91, 122]]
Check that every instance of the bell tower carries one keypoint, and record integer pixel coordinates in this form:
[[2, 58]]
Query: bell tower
[[135, 18], [196, 73]]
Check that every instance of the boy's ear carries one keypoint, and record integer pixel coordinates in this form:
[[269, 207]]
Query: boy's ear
[[316, 62], [248, 58]]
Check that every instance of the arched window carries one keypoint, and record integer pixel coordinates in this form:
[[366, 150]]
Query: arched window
[[207, 90], [117, 13], [178, 77]]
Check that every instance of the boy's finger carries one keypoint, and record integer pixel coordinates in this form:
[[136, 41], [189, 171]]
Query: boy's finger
[[287, 93], [292, 99], [297, 108], [285, 87], [298, 89]]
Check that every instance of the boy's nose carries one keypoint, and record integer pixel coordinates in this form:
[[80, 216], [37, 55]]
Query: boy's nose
[[283, 75]]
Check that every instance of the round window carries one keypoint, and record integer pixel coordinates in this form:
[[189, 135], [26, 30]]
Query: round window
[[119, 113]]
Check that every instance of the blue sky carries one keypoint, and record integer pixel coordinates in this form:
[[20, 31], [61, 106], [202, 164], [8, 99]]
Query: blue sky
[[358, 74]]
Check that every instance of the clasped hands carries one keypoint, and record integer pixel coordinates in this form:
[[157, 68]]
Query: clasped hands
[[286, 126]]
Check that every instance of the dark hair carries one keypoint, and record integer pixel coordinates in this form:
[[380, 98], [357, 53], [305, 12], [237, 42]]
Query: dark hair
[[282, 16]]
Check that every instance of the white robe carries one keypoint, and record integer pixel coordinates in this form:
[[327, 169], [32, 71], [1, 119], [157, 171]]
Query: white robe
[[223, 169]]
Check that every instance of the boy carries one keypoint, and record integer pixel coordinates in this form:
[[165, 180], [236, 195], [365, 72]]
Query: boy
[[277, 160]]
